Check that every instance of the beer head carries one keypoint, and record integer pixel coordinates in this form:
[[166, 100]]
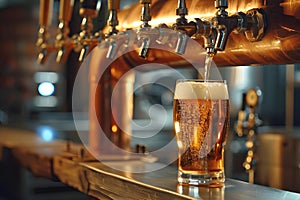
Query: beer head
[[198, 89]]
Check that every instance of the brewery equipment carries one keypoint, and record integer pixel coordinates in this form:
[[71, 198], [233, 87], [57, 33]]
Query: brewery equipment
[[269, 34]]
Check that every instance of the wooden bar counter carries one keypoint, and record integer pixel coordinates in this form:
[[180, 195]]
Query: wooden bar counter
[[65, 162]]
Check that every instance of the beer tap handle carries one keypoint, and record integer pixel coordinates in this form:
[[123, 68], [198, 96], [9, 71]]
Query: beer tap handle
[[86, 40], [113, 22], [181, 11], [63, 43], [89, 8], [145, 31], [65, 10], [46, 7], [146, 14], [43, 35]]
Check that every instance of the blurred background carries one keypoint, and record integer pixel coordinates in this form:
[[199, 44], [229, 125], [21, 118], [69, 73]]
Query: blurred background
[[39, 98]]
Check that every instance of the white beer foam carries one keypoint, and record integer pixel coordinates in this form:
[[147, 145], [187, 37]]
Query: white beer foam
[[201, 90]]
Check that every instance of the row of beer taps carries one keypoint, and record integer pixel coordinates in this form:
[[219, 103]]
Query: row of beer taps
[[214, 31], [64, 44]]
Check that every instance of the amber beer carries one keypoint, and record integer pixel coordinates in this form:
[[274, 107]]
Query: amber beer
[[201, 120]]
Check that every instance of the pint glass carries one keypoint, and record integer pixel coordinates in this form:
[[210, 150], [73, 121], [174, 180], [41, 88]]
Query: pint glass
[[201, 121]]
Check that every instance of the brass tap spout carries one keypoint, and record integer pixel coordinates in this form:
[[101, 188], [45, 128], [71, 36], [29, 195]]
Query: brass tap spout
[[45, 48], [63, 42]]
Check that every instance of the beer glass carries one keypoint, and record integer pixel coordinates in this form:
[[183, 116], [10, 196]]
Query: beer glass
[[201, 121]]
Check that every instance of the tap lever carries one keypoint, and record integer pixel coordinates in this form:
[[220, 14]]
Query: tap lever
[[146, 14], [46, 7], [181, 11], [65, 10], [86, 40], [89, 8], [42, 42], [221, 6], [113, 7], [63, 43]]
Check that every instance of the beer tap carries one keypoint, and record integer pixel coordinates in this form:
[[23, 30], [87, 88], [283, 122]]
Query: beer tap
[[113, 22], [216, 30], [145, 30], [197, 28], [113, 7], [252, 23], [45, 48], [183, 27], [64, 43], [86, 40]]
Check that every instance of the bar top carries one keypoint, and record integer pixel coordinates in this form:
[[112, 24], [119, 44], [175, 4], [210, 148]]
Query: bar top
[[162, 184], [60, 161]]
